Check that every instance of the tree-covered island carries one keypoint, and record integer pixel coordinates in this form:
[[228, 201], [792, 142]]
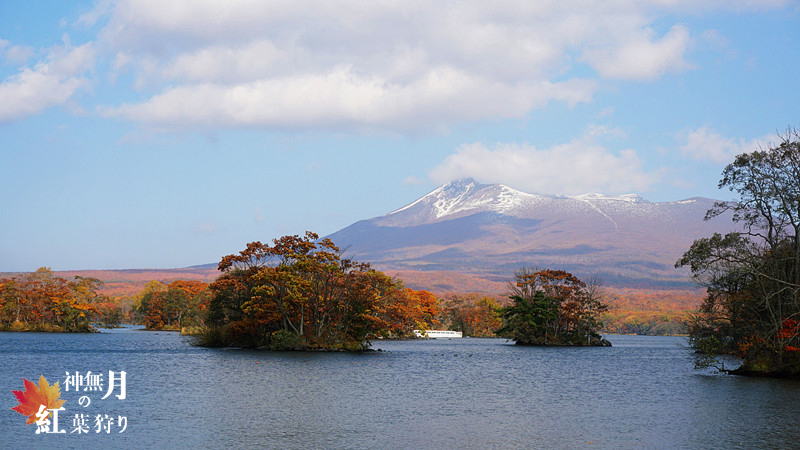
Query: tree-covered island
[[300, 294], [553, 307]]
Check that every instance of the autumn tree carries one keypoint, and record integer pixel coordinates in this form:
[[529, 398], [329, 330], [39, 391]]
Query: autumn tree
[[472, 314], [176, 306], [154, 315], [110, 313], [297, 293], [752, 276], [552, 307], [12, 303], [149, 303], [405, 310], [41, 301], [187, 301]]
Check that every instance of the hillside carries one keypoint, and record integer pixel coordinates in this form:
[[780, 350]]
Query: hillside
[[131, 281], [492, 230], [468, 237]]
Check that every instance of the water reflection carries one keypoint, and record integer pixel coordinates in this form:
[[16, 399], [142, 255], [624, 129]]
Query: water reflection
[[473, 393]]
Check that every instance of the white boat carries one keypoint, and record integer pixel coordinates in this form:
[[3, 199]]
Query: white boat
[[437, 334]]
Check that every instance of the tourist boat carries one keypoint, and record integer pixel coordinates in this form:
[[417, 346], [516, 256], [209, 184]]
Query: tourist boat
[[437, 334]]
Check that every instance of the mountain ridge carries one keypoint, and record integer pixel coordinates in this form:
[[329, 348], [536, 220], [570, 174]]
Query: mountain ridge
[[464, 226], [476, 243]]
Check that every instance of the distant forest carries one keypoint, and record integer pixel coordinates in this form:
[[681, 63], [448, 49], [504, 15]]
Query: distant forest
[[50, 301]]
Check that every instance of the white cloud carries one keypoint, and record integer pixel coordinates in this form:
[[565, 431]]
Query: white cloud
[[49, 83], [706, 144], [70, 61], [14, 54], [641, 56], [253, 60], [343, 97], [389, 65], [576, 167], [409, 64]]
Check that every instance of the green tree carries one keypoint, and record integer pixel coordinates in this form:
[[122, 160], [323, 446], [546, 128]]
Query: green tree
[[752, 276], [529, 321], [552, 307]]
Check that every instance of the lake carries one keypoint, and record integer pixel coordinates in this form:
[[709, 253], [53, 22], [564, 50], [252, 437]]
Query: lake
[[469, 393]]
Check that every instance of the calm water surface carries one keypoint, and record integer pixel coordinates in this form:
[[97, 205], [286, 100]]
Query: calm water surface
[[465, 393]]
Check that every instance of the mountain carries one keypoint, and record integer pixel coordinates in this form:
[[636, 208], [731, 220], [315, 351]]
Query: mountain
[[492, 230]]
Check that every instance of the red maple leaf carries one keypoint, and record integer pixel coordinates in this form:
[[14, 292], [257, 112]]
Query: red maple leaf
[[34, 397]]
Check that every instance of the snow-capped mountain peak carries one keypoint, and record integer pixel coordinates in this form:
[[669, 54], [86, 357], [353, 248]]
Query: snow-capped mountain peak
[[463, 196], [444, 198], [452, 197], [492, 228], [467, 196]]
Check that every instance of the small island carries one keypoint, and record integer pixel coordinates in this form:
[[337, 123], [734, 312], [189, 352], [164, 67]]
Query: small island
[[300, 294], [553, 307]]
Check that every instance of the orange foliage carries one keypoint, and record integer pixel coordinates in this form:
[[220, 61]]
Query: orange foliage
[[649, 311], [409, 309], [42, 301], [303, 289], [473, 314], [131, 281], [300, 293], [192, 287], [629, 307]]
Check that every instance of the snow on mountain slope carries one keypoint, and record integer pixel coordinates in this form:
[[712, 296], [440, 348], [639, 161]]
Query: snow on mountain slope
[[624, 198], [460, 198], [465, 197], [470, 227]]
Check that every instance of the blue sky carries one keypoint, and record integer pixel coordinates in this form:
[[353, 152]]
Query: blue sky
[[160, 134]]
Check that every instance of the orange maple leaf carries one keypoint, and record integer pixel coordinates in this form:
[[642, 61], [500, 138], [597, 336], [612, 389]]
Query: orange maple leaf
[[34, 397]]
